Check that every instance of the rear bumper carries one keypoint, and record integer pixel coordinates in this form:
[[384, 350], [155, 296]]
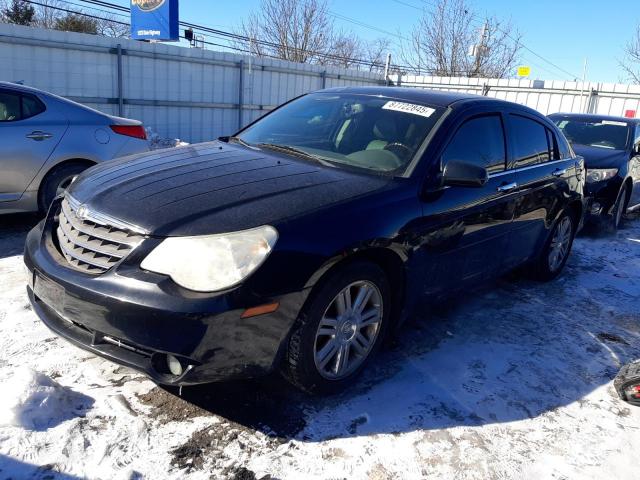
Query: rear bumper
[[137, 321]]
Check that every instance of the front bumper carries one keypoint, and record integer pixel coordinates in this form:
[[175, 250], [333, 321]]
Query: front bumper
[[601, 197], [135, 318]]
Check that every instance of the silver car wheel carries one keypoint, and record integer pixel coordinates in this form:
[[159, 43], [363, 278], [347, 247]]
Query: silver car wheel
[[560, 243], [348, 330]]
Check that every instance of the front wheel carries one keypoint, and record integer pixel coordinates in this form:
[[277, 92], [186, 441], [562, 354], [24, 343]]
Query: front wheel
[[555, 253], [340, 329]]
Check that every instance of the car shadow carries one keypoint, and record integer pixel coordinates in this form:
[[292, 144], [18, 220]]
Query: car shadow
[[512, 351], [13, 232], [12, 468]]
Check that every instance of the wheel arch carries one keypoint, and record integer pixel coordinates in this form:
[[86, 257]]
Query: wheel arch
[[391, 263], [52, 169]]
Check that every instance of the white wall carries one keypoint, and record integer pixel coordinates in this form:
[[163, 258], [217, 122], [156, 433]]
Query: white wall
[[546, 96], [184, 93]]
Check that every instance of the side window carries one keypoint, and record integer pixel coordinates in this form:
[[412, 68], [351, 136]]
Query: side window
[[530, 141], [31, 106], [10, 107], [480, 141], [564, 149]]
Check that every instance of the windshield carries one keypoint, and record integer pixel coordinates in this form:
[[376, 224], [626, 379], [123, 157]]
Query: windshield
[[595, 133], [347, 130]]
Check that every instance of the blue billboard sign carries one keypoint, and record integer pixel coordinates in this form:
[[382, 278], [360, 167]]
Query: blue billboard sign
[[155, 20]]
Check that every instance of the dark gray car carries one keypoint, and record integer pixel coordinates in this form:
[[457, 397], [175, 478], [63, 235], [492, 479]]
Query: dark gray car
[[47, 140]]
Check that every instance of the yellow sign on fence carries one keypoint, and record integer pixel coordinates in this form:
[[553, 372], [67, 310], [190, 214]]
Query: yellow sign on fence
[[524, 71]]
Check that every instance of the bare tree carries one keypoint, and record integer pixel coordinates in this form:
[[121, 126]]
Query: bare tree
[[48, 13], [296, 30], [110, 26], [440, 43], [375, 53], [631, 62]]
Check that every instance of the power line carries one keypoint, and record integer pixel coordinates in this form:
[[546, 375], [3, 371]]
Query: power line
[[518, 41]]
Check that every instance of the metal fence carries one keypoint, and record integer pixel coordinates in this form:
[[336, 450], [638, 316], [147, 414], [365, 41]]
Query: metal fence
[[197, 95], [546, 96], [191, 94]]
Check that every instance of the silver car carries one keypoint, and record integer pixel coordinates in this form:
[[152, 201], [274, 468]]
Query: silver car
[[46, 140]]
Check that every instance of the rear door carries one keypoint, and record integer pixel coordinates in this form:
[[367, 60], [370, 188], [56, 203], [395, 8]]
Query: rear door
[[544, 175], [29, 134], [469, 226]]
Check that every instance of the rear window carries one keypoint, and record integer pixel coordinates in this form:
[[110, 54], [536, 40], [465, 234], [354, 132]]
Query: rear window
[[611, 134], [16, 106]]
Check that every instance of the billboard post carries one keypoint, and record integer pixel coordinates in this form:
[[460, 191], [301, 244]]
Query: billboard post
[[155, 20]]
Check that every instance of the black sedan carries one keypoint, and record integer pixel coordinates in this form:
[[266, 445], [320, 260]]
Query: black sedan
[[611, 150], [300, 243]]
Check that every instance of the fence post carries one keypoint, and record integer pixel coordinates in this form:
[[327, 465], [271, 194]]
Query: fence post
[[120, 92], [323, 76], [240, 94]]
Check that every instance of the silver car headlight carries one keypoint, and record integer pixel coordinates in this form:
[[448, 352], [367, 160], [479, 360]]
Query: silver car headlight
[[600, 174], [212, 262]]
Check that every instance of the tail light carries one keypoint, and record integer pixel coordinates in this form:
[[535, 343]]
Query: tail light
[[135, 131]]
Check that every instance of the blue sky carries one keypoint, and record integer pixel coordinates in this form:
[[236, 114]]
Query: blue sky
[[564, 32]]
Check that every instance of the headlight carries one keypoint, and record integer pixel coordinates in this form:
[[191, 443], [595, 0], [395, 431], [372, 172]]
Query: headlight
[[600, 174], [212, 262]]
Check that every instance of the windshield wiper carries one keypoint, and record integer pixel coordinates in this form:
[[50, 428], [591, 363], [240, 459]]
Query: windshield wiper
[[295, 151], [235, 139]]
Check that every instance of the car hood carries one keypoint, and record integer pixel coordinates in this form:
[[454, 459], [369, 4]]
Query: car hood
[[595, 157], [214, 188]]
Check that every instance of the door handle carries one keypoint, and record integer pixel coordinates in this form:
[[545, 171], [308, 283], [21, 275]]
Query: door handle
[[39, 136], [559, 172], [507, 187]]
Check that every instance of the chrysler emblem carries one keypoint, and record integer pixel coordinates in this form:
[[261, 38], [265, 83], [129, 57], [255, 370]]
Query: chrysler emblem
[[82, 212]]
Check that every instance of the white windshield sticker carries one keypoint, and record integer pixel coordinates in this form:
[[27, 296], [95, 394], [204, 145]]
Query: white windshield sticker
[[612, 122], [409, 108]]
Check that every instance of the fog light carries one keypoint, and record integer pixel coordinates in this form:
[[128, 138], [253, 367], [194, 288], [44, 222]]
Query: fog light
[[175, 367], [596, 208]]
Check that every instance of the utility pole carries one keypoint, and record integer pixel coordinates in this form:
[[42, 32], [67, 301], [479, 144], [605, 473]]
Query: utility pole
[[480, 49], [584, 79], [386, 69]]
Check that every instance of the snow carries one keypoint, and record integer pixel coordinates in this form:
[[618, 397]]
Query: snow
[[512, 382], [157, 142]]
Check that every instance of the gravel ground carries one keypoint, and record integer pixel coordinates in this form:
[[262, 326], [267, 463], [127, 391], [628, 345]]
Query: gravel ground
[[511, 382]]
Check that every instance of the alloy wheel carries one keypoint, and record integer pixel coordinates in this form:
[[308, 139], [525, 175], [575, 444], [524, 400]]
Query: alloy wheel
[[560, 243], [348, 330]]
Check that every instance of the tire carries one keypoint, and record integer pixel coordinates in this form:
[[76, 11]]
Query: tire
[[547, 266], [58, 178], [618, 210], [314, 355]]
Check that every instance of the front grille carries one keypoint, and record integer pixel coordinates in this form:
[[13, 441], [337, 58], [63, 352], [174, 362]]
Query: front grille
[[89, 246]]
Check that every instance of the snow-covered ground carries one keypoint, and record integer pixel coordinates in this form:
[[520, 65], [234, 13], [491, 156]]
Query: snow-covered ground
[[512, 382]]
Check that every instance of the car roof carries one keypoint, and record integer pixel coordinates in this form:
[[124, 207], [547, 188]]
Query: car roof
[[19, 86], [595, 117], [431, 97]]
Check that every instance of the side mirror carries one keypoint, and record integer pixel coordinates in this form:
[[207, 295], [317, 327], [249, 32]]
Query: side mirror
[[464, 174]]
